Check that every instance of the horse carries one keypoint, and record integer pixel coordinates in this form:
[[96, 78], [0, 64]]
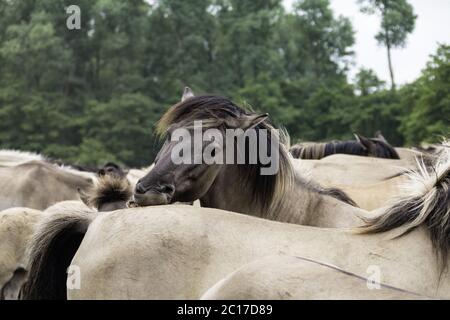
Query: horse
[[410, 155], [110, 192], [180, 252], [10, 158], [16, 228], [67, 205], [23, 174], [282, 277], [284, 196], [370, 182], [112, 169], [39, 184], [17, 225], [377, 147]]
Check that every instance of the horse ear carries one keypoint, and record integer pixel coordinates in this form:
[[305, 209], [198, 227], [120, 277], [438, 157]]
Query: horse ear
[[246, 122], [365, 142], [380, 136], [188, 93], [84, 197]]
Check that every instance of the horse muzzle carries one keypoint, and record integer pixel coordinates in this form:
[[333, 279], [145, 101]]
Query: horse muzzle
[[154, 195]]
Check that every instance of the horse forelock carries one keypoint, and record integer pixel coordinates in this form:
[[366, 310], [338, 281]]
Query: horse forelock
[[198, 108], [107, 189], [427, 203]]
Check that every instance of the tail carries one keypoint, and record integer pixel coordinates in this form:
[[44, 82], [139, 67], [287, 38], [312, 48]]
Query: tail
[[53, 247], [428, 203]]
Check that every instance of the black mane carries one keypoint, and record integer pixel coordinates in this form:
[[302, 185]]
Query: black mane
[[346, 147], [317, 151]]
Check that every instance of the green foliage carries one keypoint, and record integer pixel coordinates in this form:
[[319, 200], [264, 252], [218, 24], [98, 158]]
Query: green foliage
[[94, 95], [123, 125], [397, 21], [367, 82], [428, 101]]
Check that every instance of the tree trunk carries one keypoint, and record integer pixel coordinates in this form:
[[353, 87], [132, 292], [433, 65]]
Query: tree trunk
[[391, 69], [388, 46]]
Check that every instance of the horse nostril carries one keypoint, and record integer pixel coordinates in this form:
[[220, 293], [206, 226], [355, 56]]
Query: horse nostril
[[168, 189], [140, 188]]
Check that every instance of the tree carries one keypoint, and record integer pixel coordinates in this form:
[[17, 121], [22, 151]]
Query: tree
[[427, 101], [93, 95], [316, 47], [121, 129], [247, 48], [397, 21], [367, 82], [375, 108]]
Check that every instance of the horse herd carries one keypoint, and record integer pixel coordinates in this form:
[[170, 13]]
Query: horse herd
[[349, 220]]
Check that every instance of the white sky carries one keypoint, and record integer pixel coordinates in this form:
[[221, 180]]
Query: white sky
[[432, 27]]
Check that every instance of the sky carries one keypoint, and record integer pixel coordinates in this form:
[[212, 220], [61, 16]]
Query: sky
[[432, 27]]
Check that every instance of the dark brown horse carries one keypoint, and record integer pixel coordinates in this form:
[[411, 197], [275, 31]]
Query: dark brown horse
[[284, 196], [377, 147]]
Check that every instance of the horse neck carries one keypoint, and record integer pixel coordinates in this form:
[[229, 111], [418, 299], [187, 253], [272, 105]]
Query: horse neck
[[225, 193], [299, 204], [302, 204], [72, 179]]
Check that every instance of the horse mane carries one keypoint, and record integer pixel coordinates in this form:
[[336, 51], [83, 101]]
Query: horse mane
[[16, 157], [267, 190], [107, 189], [309, 151], [319, 150], [427, 203], [346, 147]]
